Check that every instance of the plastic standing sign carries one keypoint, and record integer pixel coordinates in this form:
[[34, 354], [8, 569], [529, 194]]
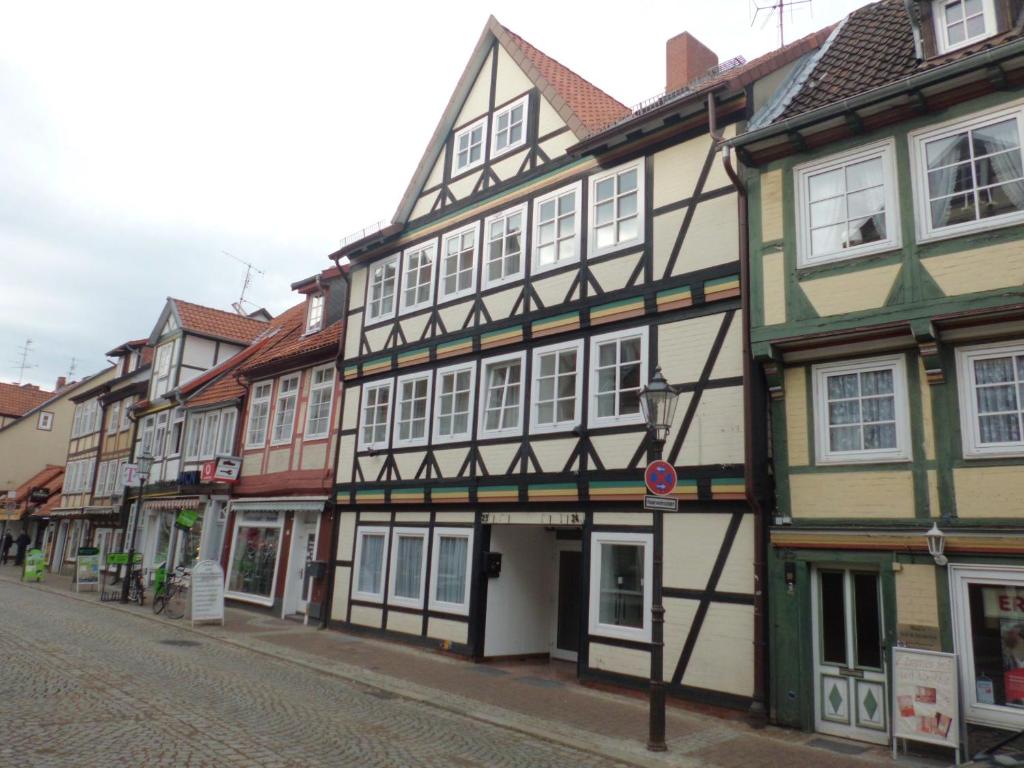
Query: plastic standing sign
[[34, 566], [87, 568], [926, 702], [207, 592]]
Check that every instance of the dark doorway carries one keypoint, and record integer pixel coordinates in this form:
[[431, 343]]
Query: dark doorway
[[569, 585]]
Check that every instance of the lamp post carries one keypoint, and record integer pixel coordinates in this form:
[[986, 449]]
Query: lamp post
[[937, 544], [658, 404], [145, 463]]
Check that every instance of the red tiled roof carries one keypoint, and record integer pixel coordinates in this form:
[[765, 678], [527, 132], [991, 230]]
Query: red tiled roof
[[592, 106], [50, 477], [218, 323], [19, 399], [326, 341]]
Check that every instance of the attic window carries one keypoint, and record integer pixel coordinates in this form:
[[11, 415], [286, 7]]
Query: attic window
[[469, 146], [509, 127], [961, 22], [315, 313]]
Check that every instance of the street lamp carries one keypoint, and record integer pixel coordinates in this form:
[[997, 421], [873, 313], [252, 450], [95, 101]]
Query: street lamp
[[937, 544], [144, 463], [658, 403]]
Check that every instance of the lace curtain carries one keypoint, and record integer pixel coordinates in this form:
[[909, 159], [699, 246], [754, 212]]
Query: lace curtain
[[451, 569], [999, 389], [409, 554], [371, 564]]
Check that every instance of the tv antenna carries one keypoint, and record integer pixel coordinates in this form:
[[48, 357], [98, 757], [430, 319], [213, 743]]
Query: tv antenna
[[71, 368], [772, 7], [22, 363], [239, 306]]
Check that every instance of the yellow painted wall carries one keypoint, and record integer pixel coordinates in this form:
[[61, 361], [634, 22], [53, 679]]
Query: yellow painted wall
[[407, 623], [339, 601], [713, 236], [865, 495], [511, 81], [851, 291], [773, 280], [980, 269], [367, 617], [916, 598], [692, 543], [771, 206], [723, 658], [624, 661], [616, 450], [989, 491], [677, 169], [446, 629], [553, 454], [666, 229], [612, 275], [795, 384]]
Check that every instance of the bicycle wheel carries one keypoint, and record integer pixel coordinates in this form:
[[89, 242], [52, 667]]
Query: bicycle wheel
[[158, 604], [140, 595], [176, 601]]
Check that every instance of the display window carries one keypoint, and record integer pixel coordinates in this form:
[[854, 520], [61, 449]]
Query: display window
[[255, 553]]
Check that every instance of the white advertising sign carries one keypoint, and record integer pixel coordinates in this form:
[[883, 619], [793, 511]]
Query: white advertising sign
[[207, 592], [228, 468], [926, 703], [129, 476]]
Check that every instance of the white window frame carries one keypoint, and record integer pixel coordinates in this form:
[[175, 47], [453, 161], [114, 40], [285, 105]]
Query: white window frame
[[970, 433], [458, 170], [884, 150], [388, 384], [646, 540], [595, 179], [208, 438], [393, 599], [255, 401], [485, 364], [524, 102], [444, 606], [819, 374], [503, 217], [226, 433], [114, 418], [593, 420], [436, 436], [307, 432], [297, 378], [429, 248], [397, 440], [919, 163], [241, 522], [193, 436], [536, 266], [126, 416], [162, 368], [45, 421], [442, 296], [177, 417], [315, 313], [559, 426], [939, 17], [370, 530], [382, 264]]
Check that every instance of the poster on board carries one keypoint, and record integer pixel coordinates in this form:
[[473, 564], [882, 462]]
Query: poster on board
[[207, 592], [87, 568], [926, 704]]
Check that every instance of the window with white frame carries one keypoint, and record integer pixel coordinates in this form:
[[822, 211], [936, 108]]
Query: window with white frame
[[380, 289], [451, 570], [45, 421], [962, 22], [969, 174], [510, 127], [259, 411], [147, 435], [458, 263], [860, 411], [321, 397], [412, 411], [194, 438], [226, 434], [504, 243], [620, 585], [160, 436], [556, 230], [992, 399], [284, 410], [373, 430], [557, 389], [114, 419], [469, 147], [418, 276], [408, 567], [162, 369], [847, 206], [371, 557], [126, 413], [315, 313], [502, 408], [211, 423], [616, 205], [618, 370], [453, 403], [174, 437]]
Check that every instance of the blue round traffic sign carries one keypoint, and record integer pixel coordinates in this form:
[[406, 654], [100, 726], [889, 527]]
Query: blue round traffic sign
[[660, 478]]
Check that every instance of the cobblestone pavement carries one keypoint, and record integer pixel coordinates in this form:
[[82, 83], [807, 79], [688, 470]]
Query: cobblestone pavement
[[81, 685]]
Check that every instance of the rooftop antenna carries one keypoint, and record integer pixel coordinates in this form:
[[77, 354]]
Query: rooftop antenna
[[71, 369], [239, 306], [772, 7], [22, 364]]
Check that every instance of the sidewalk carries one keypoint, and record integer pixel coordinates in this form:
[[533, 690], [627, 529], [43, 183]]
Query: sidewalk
[[537, 699]]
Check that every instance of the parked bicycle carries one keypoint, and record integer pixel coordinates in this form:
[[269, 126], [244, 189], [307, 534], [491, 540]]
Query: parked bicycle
[[170, 593], [136, 586]]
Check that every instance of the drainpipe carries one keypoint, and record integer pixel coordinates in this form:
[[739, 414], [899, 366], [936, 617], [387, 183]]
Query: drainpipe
[[758, 710]]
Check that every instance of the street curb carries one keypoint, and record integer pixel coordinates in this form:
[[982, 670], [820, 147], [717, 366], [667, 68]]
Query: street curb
[[470, 709]]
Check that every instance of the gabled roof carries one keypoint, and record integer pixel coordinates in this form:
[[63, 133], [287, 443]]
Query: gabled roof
[[582, 105], [50, 477], [18, 399], [128, 346], [303, 347], [207, 321]]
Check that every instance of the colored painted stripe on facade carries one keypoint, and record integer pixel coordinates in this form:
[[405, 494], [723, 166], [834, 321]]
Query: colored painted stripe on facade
[[369, 497], [407, 495], [449, 494], [343, 498], [455, 347], [675, 298], [553, 492], [413, 357], [722, 288], [558, 323], [351, 371], [911, 541], [504, 336], [728, 488], [377, 365], [686, 489], [617, 490], [498, 493], [617, 310]]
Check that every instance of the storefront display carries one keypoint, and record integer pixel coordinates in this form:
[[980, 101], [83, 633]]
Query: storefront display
[[255, 552]]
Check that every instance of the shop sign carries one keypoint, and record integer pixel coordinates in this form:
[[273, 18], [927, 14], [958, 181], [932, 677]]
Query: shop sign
[[186, 519], [121, 558], [207, 588], [39, 495], [87, 568], [34, 566], [532, 518], [1003, 603], [260, 517], [920, 636], [661, 504], [926, 702], [129, 476]]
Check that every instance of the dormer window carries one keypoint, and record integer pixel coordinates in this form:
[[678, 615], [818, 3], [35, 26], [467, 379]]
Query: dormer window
[[962, 22], [509, 127], [469, 146], [315, 313]]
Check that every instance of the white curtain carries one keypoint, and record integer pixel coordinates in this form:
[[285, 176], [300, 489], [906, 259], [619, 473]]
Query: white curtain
[[999, 396], [409, 554], [371, 564], [451, 569]]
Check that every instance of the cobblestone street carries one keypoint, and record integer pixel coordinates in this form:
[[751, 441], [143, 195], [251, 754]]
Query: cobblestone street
[[85, 686]]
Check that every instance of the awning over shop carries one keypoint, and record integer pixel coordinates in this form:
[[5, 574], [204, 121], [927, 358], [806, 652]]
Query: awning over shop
[[66, 512], [178, 502], [101, 511], [304, 504]]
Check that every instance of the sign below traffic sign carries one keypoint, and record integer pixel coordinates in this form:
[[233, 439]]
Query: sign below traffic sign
[[661, 503], [660, 478]]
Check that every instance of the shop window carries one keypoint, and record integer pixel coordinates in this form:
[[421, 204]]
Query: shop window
[[408, 567], [620, 585], [254, 556], [449, 578], [371, 555]]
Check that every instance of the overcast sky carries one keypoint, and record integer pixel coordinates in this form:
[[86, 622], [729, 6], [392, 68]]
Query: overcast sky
[[140, 140]]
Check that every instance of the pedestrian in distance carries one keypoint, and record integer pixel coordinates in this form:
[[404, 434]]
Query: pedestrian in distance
[[21, 542], [5, 547]]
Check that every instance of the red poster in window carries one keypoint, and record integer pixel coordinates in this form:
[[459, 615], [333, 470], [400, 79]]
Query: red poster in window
[[1013, 679]]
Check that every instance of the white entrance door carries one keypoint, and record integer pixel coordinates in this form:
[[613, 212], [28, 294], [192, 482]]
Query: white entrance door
[[304, 537], [565, 627], [850, 696]]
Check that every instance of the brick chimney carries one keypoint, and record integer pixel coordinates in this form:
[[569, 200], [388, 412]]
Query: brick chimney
[[686, 58], [61, 381]]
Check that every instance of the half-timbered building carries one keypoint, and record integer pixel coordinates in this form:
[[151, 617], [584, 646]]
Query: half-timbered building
[[553, 249]]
